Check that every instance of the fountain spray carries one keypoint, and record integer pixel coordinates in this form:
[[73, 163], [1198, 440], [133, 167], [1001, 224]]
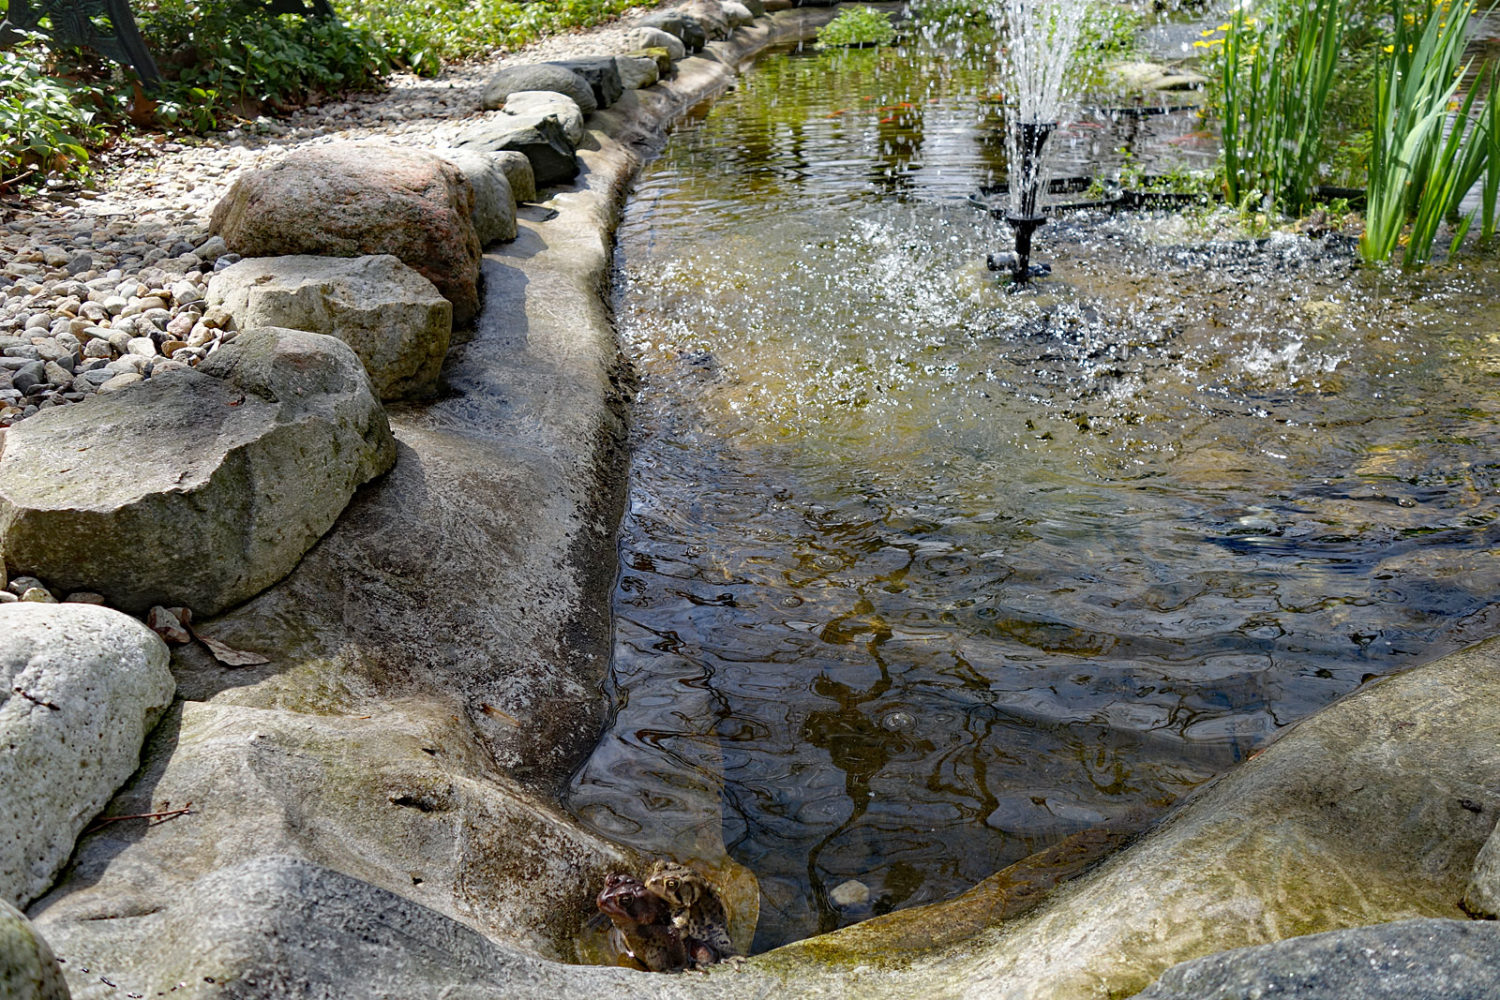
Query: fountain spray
[[1037, 41]]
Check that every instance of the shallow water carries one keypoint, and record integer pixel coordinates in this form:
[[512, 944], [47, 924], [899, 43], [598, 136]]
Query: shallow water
[[938, 575]]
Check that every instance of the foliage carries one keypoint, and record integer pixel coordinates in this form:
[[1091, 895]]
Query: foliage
[[857, 26], [421, 35], [46, 126], [1274, 79], [1108, 34], [1427, 151]]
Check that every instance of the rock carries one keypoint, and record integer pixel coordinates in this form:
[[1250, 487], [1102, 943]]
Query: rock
[[636, 72], [84, 597], [687, 29], [494, 204], [270, 437], [27, 377], [659, 56], [28, 970], [143, 346], [166, 624], [38, 595], [121, 381], [710, 14], [1482, 895], [544, 143], [529, 105], [393, 318], [850, 893], [82, 687], [538, 76], [212, 248], [1395, 961], [602, 75], [518, 172], [738, 14], [372, 199], [1152, 77], [652, 38], [755, 7]]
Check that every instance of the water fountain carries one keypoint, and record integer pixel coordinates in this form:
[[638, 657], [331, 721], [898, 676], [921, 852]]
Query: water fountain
[[1037, 39]]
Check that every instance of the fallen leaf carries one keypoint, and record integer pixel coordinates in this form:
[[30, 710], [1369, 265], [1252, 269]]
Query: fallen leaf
[[230, 656]]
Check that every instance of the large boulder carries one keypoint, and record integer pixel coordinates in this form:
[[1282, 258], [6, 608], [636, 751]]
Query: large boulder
[[635, 39], [391, 316], [531, 105], [537, 76], [1482, 895], [83, 685], [637, 71], [602, 75], [352, 199], [28, 969], [494, 202], [1398, 961], [198, 487], [740, 16], [541, 138]]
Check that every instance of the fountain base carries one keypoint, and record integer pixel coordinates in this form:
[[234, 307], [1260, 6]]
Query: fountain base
[[1019, 263]]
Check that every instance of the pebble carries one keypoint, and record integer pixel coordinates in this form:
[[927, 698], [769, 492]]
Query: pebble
[[850, 893]]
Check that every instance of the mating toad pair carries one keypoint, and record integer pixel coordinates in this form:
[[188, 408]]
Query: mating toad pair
[[672, 921]]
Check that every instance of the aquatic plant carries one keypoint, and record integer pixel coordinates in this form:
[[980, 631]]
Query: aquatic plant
[[1427, 150], [1274, 77], [856, 26]]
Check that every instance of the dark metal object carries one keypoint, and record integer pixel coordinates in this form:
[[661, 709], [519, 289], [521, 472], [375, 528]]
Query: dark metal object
[[1024, 217], [108, 27]]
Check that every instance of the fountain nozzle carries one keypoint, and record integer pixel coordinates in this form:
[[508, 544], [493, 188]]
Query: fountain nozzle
[[1024, 219]]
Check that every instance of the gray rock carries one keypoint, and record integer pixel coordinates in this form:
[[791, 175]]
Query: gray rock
[[687, 29], [710, 14], [654, 38], [371, 199], [530, 105], [391, 316], [636, 71], [538, 76], [1409, 960], [28, 970], [602, 75], [755, 7], [212, 248], [1482, 895], [83, 686], [494, 203], [738, 14], [544, 144], [271, 436], [518, 172], [32, 374]]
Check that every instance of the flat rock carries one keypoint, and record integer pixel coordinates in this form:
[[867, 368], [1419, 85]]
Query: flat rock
[[394, 319], [529, 106], [1397, 961], [540, 138], [270, 436], [602, 74], [371, 198], [494, 202], [83, 685], [538, 76], [28, 969]]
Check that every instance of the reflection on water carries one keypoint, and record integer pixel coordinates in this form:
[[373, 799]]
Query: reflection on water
[[935, 576]]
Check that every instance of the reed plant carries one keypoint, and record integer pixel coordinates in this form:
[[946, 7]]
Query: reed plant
[[1429, 148], [1275, 74]]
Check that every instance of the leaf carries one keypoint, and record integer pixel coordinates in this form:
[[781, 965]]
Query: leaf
[[228, 655]]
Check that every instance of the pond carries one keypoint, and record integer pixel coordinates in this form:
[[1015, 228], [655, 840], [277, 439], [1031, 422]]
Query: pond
[[927, 576]]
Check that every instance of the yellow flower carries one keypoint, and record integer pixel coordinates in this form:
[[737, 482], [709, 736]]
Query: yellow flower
[[1205, 34], [1389, 49]]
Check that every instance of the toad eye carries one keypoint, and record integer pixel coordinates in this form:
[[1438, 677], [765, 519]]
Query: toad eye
[[671, 883]]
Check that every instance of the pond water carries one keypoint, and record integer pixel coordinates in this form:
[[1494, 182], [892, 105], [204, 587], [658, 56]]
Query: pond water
[[926, 577]]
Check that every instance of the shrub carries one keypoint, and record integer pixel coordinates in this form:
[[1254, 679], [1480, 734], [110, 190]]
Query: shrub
[[857, 26], [46, 125]]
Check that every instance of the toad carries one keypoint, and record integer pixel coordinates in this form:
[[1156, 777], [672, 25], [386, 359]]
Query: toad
[[696, 910], [643, 929]]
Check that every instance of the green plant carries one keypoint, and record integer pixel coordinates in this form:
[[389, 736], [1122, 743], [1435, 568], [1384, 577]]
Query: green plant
[[1275, 76], [45, 126], [857, 26], [1426, 150]]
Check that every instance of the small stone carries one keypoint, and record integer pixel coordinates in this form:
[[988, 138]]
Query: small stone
[[185, 291], [96, 349], [120, 382], [180, 247], [33, 374], [143, 346], [38, 595], [226, 260], [120, 340], [181, 325], [166, 624], [850, 893], [171, 347], [56, 374], [84, 597], [115, 304], [217, 318], [79, 263], [212, 248], [6, 597]]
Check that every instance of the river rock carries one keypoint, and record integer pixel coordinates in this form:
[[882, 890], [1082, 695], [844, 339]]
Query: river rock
[[28, 969], [540, 138], [602, 75], [687, 29], [1482, 895], [270, 436], [711, 15], [531, 105], [518, 174], [538, 76], [83, 685], [1153, 77], [391, 316], [370, 198], [636, 71], [1396, 961], [494, 202], [654, 38], [738, 14]]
